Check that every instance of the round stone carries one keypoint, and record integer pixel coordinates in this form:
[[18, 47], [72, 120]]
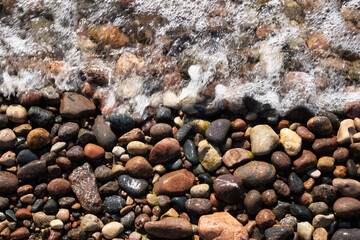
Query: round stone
[[16, 113], [91, 223], [320, 125], [8, 182], [7, 139], [56, 224], [113, 204], [58, 187], [112, 229], [253, 202], [217, 130], [347, 207], [229, 188], [263, 140], [198, 206], [291, 141], [137, 148], [93, 151], [305, 162], [103, 174], [265, 219], [200, 191], [41, 117], [164, 151], [281, 161], [269, 197], [139, 167], [68, 131], [256, 173], [318, 208], [175, 183], [133, 186], [38, 138]]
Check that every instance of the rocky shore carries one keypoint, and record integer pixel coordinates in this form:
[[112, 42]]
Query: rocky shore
[[68, 172]]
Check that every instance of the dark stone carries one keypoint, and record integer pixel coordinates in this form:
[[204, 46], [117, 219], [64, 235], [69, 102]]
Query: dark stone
[[4, 203], [75, 154], [300, 114], [281, 188], [8, 182], [105, 137], [200, 110], [66, 202], [351, 168], [133, 186], [128, 220], [163, 114], [278, 232], [50, 95], [198, 206], [165, 150], [10, 215], [324, 193], [86, 136], [300, 211], [228, 188], [37, 206], [179, 202], [182, 133], [76, 106], [281, 209], [347, 234], [325, 146], [253, 202], [41, 117], [174, 165], [103, 174], [109, 188], [32, 170], [25, 156], [191, 152], [114, 204], [40, 190], [296, 185], [68, 131], [320, 125], [217, 130], [281, 161], [3, 121], [51, 207], [160, 131], [122, 121]]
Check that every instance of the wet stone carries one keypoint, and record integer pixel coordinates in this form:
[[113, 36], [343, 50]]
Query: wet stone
[[41, 117], [50, 95], [347, 207], [86, 136], [68, 131], [217, 130], [58, 187], [51, 207], [175, 183], [318, 208], [300, 212], [7, 139], [139, 167], [182, 133], [32, 170], [8, 159], [25, 156], [105, 137], [324, 193], [324, 146], [133, 186], [29, 97], [265, 219], [281, 161], [281, 209], [263, 140], [134, 135], [83, 184], [306, 162], [38, 138], [278, 232], [160, 131], [253, 202], [320, 125], [228, 188], [122, 121], [76, 106], [191, 152], [295, 183], [348, 234], [113, 204], [305, 134], [209, 156], [163, 114], [198, 206], [165, 150], [169, 228], [237, 156], [256, 173], [16, 113]]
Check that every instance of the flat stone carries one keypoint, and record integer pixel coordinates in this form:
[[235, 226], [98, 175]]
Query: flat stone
[[263, 140], [198, 206], [348, 234], [237, 156], [209, 156], [134, 135], [105, 137], [133, 186], [8, 182], [38, 138], [345, 131], [347, 207], [76, 106], [256, 173], [7, 139], [228, 188], [57, 147], [164, 151], [169, 228], [175, 183], [347, 187], [290, 141], [32, 170], [221, 225], [83, 184], [217, 130]]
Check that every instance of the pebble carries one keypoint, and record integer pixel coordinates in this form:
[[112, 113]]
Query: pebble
[[8, 159], [68, 131], [198, 206], [346, 207], [305, 134], [348, 234], [318, 208], [57, 147], [139, 167], [326, 164], [290, 141], [191, 152], [50, 207], [32, 170], [105, 137], [137, 148], [217, 130], [133, 135], [133, 186], [20, 233], [345, 131], [63, 214], [169, 228], [200, 191], [112, 229], [25, 156], [169, 183], [91, 223], [305, 230], [324, 146], [58, 187], [347, 187], [38, 138], [295, 183], [122, 121], [182, 133], [228, 188], [281, 161], [237, 156], [76, 106], [7, 139], [300, 211], [56, 224], [209, 156], [269, 197], [113, 204], [314, 173], [103, 174], [118, 151], [128, 220], [263, 140], [323, 221], [42, 220], [164, 151], [306, 162], [324, 193], [83, 184], [320, 234], [160, 131], [16, 113], [320, 125], [93, 151], [278, 232], [22, 129], [86, 136], [253, 202], [256, 173], [341, 155], [221, 225], [41, 117], [290, 221], [50, 95]]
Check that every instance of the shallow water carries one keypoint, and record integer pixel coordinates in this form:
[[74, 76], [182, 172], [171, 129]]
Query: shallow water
[[211, 43]]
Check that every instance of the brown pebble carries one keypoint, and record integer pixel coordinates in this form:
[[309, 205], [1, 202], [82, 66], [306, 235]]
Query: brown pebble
[[281, 161], [23, 213], [306, 199], [64, 163], [20, 233], [25, 189], [309, 184], [283, 124], [281, 188], [305, 134], [340, 171], [320, 234], [242, 218], [265, 218], [306, 162], [340, 155], [238, 125], [269, 197], [325, 146]]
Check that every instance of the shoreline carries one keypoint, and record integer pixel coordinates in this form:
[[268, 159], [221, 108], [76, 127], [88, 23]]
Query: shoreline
[[68, 172]]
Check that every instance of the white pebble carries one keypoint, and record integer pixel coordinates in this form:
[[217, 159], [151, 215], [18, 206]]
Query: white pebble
[[305, 230], [314, 173], [57, 147], [118, 151], [56, 224], [112, 229]]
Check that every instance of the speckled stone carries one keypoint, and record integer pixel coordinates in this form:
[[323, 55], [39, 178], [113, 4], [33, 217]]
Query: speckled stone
[[217, 130], [8, 182], [347, 207], [83, 184]]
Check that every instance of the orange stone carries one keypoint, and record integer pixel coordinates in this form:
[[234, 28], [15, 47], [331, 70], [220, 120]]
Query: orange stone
[[93, 151]]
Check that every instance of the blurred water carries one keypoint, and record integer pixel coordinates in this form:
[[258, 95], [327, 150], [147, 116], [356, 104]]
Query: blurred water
[[216, 45]]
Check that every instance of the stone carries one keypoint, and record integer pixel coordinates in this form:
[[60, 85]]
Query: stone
[[133, 186], [182, 133], [76, 106], [68, 131], [103, 174], [305, 230], [281, 161], [137, 148], [175, 183], [94, 152], [323, 220], [139, 167], [164, 151], [269, 197], [278, 232], [20, 233], [56, 224], [160, 131], [318, 208], [217, 130], [38, 138], [200, 191], [109, 188], [191, 152], [169, 228], [122, 121], [32, 170], [23, 213], [58, 187], [324, 193], [63, 214], [57, 147], [281, 188], [86, 136], [8, 159], [50, 95], [324, 146], [345, 131], [76, 234], [228, 188], [256, 173], [29, 97], [265, 219], [108, 34], [41, 117], [50, 207], [42, 220], [198, 206], [347, 187], [347, 207], [134, 135], [83, 184], [118, 151], [253, 202], [16, 113], [209, 156], [112, 229], [352, 109], [305, 162], [221, 225], [91, 223], [300, 212], [320, 125], [326, 164], [348, 234], [105, 137], [25, 156], [295, 183], [7, 139], [263, 140], [22, 129], [8, 182], [305, 134], [113, 204], [291, 141], [355, 149], [237, 156], [320, 234]]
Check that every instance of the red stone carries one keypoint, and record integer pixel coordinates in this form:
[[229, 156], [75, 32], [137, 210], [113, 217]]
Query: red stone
[[175, 183], [265, 219], [306, 162], [139, 167], [58, 187], [165, 150], [23, 213], [20, 233], [93, 151]]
